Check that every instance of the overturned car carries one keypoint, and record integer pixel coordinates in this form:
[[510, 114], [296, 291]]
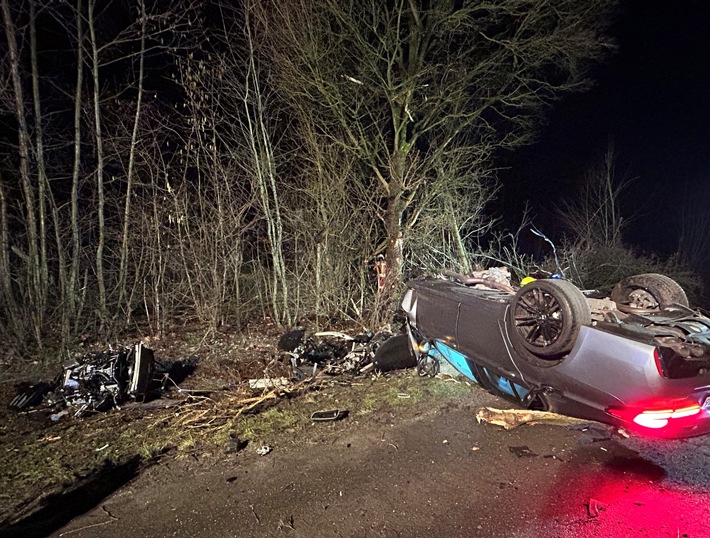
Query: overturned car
[[638, 359]]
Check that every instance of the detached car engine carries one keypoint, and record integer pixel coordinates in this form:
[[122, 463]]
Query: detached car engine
[[95, 382]]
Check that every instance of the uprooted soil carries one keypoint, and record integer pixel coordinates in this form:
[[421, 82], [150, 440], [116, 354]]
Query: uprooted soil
[[53, 470]]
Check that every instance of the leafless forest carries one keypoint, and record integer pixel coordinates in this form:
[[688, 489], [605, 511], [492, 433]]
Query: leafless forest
[[217, 160]]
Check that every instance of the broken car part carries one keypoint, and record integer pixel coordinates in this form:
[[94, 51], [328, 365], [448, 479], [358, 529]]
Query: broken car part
[[335, 353], [394, 354], [329, 416], [99, 381], [95, 382]]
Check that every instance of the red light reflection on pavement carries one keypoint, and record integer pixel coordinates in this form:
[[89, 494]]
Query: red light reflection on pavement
[[633, 499]]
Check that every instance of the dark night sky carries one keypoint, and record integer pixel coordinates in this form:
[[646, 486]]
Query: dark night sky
[[653, 99]]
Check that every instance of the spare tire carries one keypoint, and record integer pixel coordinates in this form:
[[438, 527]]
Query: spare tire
[[544, 320], [648, 292]]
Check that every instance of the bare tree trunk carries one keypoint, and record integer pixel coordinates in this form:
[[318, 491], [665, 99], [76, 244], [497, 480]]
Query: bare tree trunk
[[319, 281], [131, 168], [43, 183], [71, 305], [32, 256], [394, 212], [99, 171], [263, 164], [158, 267], [464, 264], [8, 294]]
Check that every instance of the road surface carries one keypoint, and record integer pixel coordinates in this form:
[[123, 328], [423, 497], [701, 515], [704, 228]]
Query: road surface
[[434, 472]]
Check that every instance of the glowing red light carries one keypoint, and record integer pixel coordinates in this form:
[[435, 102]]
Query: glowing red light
[[656, 418]]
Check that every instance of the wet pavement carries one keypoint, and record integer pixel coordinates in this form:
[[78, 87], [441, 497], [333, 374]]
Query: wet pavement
[[436, 472]]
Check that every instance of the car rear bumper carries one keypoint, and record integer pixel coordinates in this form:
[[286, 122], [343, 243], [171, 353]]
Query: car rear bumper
[[689, 418]]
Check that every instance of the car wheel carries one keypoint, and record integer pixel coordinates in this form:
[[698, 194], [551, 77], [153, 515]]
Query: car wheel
[[544, 320], [647, 292], [394, 354]]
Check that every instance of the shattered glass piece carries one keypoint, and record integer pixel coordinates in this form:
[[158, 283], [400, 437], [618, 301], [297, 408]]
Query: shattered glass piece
[[263, 450]]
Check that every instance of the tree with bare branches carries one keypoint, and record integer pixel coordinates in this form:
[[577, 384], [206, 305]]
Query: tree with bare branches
[[69, 159], [425, 93], [594, 216]]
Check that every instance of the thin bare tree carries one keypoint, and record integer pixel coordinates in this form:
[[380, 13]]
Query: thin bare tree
[[594, 216], [33, 279]]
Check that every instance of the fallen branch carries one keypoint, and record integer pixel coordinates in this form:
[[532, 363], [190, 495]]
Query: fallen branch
[[214, 413], [512, 418]]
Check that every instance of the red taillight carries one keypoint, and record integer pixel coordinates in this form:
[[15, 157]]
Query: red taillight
[[659, 418], [654, 417]]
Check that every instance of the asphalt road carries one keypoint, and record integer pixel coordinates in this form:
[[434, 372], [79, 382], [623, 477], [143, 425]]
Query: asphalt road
[[438, 473]]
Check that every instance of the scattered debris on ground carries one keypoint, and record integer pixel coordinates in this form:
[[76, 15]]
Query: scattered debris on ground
[[263, 450], [268, 382], [522, 451], [314, 361], [329, 416], [99, 381], [131, 375], [93, 382], [205, 408], [332, 352], [594, 507], [596, 432]]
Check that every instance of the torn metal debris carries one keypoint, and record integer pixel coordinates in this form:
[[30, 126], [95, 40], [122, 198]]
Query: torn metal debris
[[130, 376], [96, 381], [335, 353], [99, 381]]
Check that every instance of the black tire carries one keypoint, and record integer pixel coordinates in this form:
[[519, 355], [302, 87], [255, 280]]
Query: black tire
[[544, 320], [648, 292], [394, 354]]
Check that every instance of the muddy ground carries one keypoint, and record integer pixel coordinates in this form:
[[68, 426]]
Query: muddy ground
[[408, 460], [42, 459]]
